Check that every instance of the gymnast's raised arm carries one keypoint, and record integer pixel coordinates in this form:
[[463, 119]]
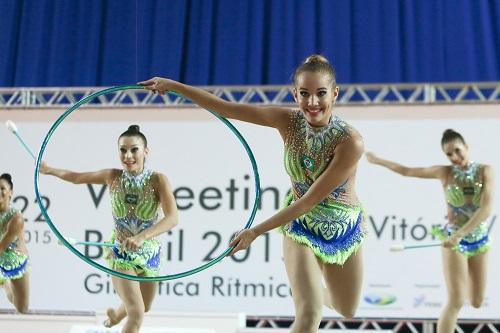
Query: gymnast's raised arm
[[270, 116]]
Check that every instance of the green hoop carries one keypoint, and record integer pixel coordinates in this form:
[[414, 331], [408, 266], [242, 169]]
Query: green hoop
[[104, 268]]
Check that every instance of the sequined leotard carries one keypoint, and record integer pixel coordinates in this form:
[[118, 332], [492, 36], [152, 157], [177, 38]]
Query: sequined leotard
[[134, 206], [14, 260], [463, 194], [334, 228]]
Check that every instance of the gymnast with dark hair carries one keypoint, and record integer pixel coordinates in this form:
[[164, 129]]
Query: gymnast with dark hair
[[137, 195], [14, 275], [468, 189]]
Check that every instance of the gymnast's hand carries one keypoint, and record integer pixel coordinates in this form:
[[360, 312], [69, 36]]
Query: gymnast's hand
[[453, 241], [44, 168], [371, 157], [132, 243], [242, 240], [157, 85]]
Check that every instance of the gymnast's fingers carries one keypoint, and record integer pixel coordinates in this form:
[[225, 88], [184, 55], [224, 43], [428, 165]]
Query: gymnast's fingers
[[148, 84]]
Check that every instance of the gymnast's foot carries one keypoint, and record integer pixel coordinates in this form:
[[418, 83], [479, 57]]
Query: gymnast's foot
[[112, 319]]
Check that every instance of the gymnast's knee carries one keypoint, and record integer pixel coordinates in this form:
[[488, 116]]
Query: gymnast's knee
[[347, 312], [309, 317], [477, 302], [456, 302]]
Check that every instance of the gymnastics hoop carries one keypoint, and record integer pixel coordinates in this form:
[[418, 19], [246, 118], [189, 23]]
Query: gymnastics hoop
[[198, 269]]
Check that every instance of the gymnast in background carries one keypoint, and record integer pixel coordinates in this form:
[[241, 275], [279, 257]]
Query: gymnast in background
[[468, 189], [136, 196], [14, 276]]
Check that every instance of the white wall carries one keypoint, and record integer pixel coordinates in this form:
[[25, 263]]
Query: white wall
[[200, 155]]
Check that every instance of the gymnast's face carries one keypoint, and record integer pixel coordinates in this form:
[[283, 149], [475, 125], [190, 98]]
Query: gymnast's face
[[5, 192], [133, 153], [315, 95], [457, 152]]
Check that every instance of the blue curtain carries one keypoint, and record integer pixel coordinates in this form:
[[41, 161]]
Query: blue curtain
[[228, 42]]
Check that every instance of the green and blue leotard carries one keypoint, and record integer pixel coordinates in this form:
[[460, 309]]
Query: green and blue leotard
[[134, 206], [14, 260], [463, 195], [334, 228]]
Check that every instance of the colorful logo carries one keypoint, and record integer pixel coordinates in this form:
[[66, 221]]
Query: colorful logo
[[382, 299]]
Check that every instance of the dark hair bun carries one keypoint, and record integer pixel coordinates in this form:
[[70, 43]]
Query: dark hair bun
[[134, 128], [449, 131], [450, 135], [316, 58], [6, 176]]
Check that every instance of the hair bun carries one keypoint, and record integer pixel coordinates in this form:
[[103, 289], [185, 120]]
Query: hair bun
[[316, 63], [134, 128], [6, 176], [316, 58], [449, 131], [450, 135]]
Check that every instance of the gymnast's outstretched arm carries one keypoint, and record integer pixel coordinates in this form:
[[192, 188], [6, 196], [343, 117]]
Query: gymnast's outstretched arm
[[270, 116]]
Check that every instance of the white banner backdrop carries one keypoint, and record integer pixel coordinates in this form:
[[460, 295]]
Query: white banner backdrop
[[213, 183]]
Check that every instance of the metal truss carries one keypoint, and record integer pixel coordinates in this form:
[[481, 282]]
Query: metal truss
[[358, 94], [379, 324]]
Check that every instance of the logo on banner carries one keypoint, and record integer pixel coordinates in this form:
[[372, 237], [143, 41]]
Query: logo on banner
[[484, 304], [380, 299], [421, 301], [427, 285]]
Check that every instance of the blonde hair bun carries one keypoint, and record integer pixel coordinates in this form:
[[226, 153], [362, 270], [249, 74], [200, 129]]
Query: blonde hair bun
[[316, 58]]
